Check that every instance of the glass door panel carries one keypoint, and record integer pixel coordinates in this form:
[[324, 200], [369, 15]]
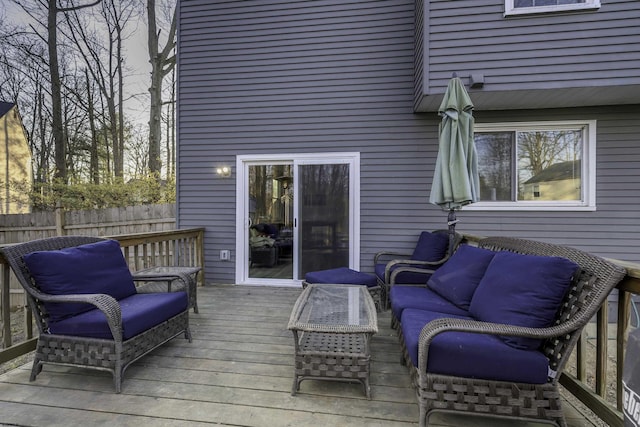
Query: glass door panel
[[270, 206], [323, 219]]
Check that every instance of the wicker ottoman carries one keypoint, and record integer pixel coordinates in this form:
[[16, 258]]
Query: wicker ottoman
[[346, 276]]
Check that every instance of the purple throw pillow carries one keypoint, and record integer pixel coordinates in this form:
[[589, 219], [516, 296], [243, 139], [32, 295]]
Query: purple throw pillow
[[522, 290], [94, 268], [431, 247], [459, 277]]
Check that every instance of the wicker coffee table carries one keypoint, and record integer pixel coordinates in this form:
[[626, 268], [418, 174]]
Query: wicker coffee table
[[332, 326]]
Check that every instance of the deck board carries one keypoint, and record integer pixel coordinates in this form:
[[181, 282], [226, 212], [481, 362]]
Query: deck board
[[237, 371]]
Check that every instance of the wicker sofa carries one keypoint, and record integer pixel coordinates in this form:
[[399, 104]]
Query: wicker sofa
[[492, 330], [85, 304]]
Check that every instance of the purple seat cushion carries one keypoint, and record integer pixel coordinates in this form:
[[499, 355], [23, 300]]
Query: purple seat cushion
[[459, 277], [403, 297], [94, 268], [431, 247], [464, 354], [140, 312], [341, 275], [522, 290]]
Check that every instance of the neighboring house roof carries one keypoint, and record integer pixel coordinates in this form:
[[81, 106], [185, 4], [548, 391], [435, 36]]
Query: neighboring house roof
[[557, 172], [5, 107]]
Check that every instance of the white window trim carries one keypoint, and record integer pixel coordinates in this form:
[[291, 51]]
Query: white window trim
[[588, 202], [509, 8]]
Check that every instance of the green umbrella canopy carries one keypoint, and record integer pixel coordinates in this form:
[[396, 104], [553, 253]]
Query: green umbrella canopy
[[455, 181]]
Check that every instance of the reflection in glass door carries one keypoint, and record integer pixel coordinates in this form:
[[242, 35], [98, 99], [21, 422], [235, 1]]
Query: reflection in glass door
[[270, 192], [323, 203]]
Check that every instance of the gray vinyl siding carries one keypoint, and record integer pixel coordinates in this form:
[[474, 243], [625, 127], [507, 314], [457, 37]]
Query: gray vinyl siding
[[535, 61], [269, 76]]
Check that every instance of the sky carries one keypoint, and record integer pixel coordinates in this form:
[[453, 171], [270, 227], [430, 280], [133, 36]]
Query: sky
[[136, 59]]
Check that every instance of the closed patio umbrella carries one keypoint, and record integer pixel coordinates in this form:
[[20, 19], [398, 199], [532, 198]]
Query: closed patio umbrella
[[455, 181]]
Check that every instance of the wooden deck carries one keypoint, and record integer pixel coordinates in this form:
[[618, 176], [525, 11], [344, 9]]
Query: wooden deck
[[237, 372]]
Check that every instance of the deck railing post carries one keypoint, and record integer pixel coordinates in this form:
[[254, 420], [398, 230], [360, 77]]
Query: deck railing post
[[5, 308]]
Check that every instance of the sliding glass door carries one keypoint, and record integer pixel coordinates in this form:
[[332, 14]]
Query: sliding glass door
[[296, 215]]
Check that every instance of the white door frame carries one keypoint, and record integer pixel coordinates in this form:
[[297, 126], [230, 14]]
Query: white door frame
[[242, 209]]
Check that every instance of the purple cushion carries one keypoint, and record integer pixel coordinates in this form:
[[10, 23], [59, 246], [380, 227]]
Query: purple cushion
[[341, 275], [522, 290], [407, 277], [431, 247], [95, 268], [403, 297], [465, 354], [140, 312], [459, 277]]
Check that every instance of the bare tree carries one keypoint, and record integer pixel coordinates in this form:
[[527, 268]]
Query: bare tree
[[80, 79], [51, 25], [103, 57], [162, 62], [23, 80], [56, 96], [540, 149]]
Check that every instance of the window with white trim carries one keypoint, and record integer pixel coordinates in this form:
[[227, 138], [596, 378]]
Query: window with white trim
[[516, 7], [536, 165]]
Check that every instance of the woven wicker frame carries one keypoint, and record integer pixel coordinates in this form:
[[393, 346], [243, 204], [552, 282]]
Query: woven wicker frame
[[588, 292], [186, 275], [333, 350], [102, 354], [398, 263], [319, 357]]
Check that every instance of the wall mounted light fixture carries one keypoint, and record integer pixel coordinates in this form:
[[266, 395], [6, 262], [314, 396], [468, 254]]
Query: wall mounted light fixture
[[224, 171]]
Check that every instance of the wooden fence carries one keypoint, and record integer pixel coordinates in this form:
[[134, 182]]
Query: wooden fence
[[100, 222]]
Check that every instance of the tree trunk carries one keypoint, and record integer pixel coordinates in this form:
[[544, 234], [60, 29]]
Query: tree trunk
[[56, 96], [155, 112], [161, 65], [94, 166], [120, 167], [155, 91]]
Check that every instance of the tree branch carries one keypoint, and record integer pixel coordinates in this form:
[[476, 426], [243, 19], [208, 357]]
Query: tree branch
[[82, 6]]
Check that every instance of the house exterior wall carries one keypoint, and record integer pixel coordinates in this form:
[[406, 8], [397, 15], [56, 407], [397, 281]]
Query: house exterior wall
[[15, 164], [531, 61], [282, 76]]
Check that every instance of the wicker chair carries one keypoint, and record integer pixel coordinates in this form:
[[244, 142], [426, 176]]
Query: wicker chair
[[587, 293], [395, 267], [112, 355]]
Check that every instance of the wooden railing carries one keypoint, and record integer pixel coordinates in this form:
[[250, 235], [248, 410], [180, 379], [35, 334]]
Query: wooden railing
[[594, 395], [163, 248]]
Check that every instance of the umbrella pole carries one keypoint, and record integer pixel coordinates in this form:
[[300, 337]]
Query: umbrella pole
[[451, 222]]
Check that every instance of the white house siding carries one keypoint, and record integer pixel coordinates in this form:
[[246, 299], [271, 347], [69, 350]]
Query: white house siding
[[269, 76]]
